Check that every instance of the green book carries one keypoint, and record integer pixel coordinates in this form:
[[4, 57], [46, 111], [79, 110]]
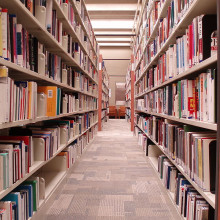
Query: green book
[[34, 186], [58, 100]]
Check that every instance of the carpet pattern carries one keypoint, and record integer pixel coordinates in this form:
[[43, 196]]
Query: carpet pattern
[[113, 180]]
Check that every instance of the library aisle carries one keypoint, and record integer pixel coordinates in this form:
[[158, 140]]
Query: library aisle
[[112, 180]]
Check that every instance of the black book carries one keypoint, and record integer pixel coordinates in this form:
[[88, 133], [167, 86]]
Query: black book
[[206, 24]]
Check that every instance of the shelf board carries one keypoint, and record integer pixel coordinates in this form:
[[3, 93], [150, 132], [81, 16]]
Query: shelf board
[[195, 9], [201, 124], [105, 85], [195, 69], [52, 181], [141, 16], [38, 164], [39, 119], [17, 72], [33, 26], [83, 26], [208, 196], [87, 13], [155, 28]]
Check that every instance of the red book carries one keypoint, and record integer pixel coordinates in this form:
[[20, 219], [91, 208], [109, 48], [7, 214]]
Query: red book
[[168, 21], [25, 139], [190, 45]]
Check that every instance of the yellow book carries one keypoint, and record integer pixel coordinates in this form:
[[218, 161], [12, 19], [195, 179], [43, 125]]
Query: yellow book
[[51, 92]]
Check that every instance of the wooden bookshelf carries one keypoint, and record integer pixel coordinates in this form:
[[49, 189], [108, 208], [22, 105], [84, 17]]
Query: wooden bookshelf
[[129, 95], [103, 102]]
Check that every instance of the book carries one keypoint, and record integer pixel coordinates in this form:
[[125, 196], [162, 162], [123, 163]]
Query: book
[[52, 99]]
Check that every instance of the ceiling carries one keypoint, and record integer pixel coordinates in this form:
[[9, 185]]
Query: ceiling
[[112, 20]]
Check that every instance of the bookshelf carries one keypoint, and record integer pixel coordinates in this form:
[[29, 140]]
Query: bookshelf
[[217, 203], [103, 93], [154, 93], [129, 96], [62, 60]]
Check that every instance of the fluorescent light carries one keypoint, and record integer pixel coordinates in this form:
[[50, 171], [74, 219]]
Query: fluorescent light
[[115, 44], [113, 32], [112, 24], [111, 7], [99, 39]]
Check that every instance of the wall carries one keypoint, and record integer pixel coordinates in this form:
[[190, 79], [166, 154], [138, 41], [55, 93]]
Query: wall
[[116, 61]]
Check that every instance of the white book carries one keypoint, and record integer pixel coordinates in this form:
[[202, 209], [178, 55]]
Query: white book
[[39, 146], [65, 8], [49, 8], [60, 32], [206, 162], [205, 98], [211, 96], [9, 149], [65, 42], [7, 205], [4, 96]]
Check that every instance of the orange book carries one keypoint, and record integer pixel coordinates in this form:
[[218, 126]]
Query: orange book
[[51, 92]]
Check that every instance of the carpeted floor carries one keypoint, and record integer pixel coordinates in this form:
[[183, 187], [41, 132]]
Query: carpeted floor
[[112, 181]]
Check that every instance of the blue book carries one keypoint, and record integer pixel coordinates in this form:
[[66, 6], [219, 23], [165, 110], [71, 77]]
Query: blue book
[[28, 187]]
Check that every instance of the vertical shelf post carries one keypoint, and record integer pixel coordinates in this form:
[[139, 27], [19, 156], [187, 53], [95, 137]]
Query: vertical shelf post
[[132, 92], [217, 193], [100, 95]]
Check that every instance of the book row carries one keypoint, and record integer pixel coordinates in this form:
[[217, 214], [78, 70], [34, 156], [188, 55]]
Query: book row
[[25, 146], [191, 205], [23, 49], [188, 98], [46, 14], [174, 14], [26, 199], [23, 100], [192, 148], [197, 44]]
